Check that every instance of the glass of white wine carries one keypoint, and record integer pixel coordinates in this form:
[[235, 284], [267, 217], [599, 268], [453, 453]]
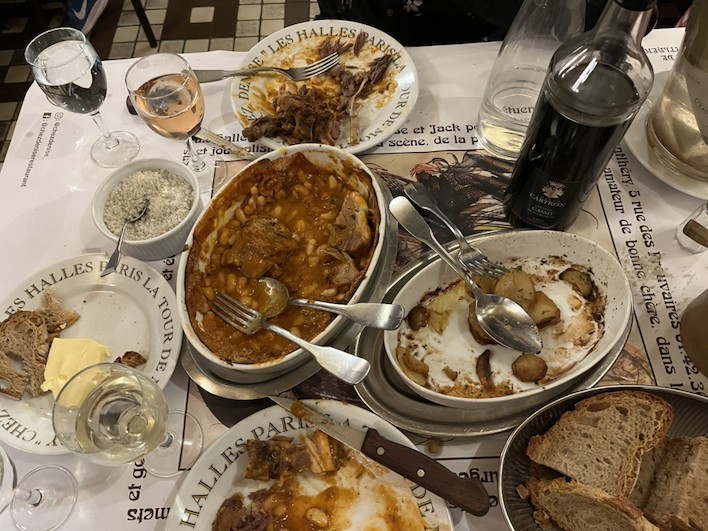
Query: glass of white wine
[[67, 68], [114, 415], [42, 500], [167, 96]]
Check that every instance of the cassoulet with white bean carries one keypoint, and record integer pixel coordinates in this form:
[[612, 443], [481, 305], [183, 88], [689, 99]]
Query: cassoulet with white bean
[[311, 227]]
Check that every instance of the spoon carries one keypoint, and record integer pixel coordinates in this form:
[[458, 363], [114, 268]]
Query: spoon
[[383, 316], [115, 257], [503, 319]]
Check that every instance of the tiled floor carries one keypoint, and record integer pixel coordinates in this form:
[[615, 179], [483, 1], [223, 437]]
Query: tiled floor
[[178, 25]]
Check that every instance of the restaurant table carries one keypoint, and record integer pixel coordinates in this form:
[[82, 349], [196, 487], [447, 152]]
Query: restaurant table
[[48, 180]]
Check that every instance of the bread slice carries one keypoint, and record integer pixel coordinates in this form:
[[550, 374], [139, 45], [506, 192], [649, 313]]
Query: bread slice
[[576, 507], [55, 315], [24, 345], [679, 496], [645, 480], [602, 441]]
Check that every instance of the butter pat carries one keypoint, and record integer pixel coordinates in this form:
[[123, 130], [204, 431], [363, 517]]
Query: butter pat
[[67, 356]]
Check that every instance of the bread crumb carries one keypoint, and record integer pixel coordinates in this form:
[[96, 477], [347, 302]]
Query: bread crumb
[[131, 359]]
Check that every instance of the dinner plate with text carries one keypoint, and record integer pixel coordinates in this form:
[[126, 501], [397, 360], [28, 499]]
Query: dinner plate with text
[[381, 113], [218, 473], [132, 309]]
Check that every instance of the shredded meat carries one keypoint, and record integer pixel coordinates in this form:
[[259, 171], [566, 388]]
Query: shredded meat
[[279, 459], [303, 113], [262, 244], [233, 516], [266, 459], [345, 271], [352, 233]]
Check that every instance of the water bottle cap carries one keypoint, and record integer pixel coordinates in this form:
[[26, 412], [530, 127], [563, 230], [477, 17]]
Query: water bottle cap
[[637, 5]]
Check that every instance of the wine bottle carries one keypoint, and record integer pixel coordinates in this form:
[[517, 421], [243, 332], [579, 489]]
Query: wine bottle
[[592, 91]]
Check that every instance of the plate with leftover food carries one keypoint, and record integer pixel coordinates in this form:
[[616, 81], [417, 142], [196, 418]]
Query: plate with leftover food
[[310, 216], [273, 468], [624, 457], [356, 105], [575, 291], [638, 145], [386, 393], [67, 311]]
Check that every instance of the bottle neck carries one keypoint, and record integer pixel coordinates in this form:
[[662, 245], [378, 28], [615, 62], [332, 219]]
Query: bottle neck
[[617, 22]]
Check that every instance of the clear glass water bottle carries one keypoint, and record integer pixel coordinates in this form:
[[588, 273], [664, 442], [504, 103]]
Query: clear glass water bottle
[[537, 31], [594, 87]]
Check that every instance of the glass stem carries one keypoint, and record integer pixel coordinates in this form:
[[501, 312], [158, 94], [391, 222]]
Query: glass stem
[[108, 138], [197, 163], [167, 440], [31, 497]]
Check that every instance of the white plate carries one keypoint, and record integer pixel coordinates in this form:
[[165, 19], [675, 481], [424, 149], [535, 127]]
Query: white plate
[[380, 115], [134, 309], [532, 245], [636, 140], [219, 471]]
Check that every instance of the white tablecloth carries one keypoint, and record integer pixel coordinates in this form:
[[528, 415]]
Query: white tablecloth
[[48, 179]]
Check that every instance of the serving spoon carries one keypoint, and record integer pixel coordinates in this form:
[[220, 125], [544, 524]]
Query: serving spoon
[[383, 316], [115, 257], [503, 319]]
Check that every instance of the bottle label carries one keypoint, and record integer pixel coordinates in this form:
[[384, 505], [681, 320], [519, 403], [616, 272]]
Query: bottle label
[[697, 85], [544, 199]]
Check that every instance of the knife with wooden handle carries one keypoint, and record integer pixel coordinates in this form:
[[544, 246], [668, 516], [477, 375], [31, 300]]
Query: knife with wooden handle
[[468, 494]]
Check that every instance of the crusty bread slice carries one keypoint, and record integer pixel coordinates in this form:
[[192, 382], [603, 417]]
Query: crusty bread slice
[[576, 507], [55, 315], [602, 441], [679, 496], [24, 345], [645, 479]]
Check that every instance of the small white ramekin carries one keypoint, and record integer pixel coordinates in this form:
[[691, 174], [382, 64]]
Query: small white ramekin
[[167, 244]]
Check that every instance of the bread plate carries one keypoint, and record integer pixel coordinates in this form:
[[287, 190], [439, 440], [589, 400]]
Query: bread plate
[[690, 419], [219, 471], [382, 113], [132, 309], [519, 247]]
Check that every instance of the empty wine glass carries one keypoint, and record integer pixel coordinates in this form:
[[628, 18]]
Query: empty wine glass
[[167, 96], [114, 415], [42, 500], [67, 68]]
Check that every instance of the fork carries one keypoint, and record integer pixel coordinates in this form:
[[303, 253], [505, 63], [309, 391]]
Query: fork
[[348, 368], [298, 73], [469, 256]]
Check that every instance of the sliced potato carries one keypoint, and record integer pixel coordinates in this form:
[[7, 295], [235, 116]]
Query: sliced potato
[[450, 373], [580, 280], [477, 331], [415, 369], [543, 310], [441, 307], [529, 368], [486, 284], [517, 286], [418, 317]]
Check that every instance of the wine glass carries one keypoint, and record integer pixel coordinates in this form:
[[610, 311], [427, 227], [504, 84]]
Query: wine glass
[[67, 68], [42, 500], [114, 415], [167, 96]]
